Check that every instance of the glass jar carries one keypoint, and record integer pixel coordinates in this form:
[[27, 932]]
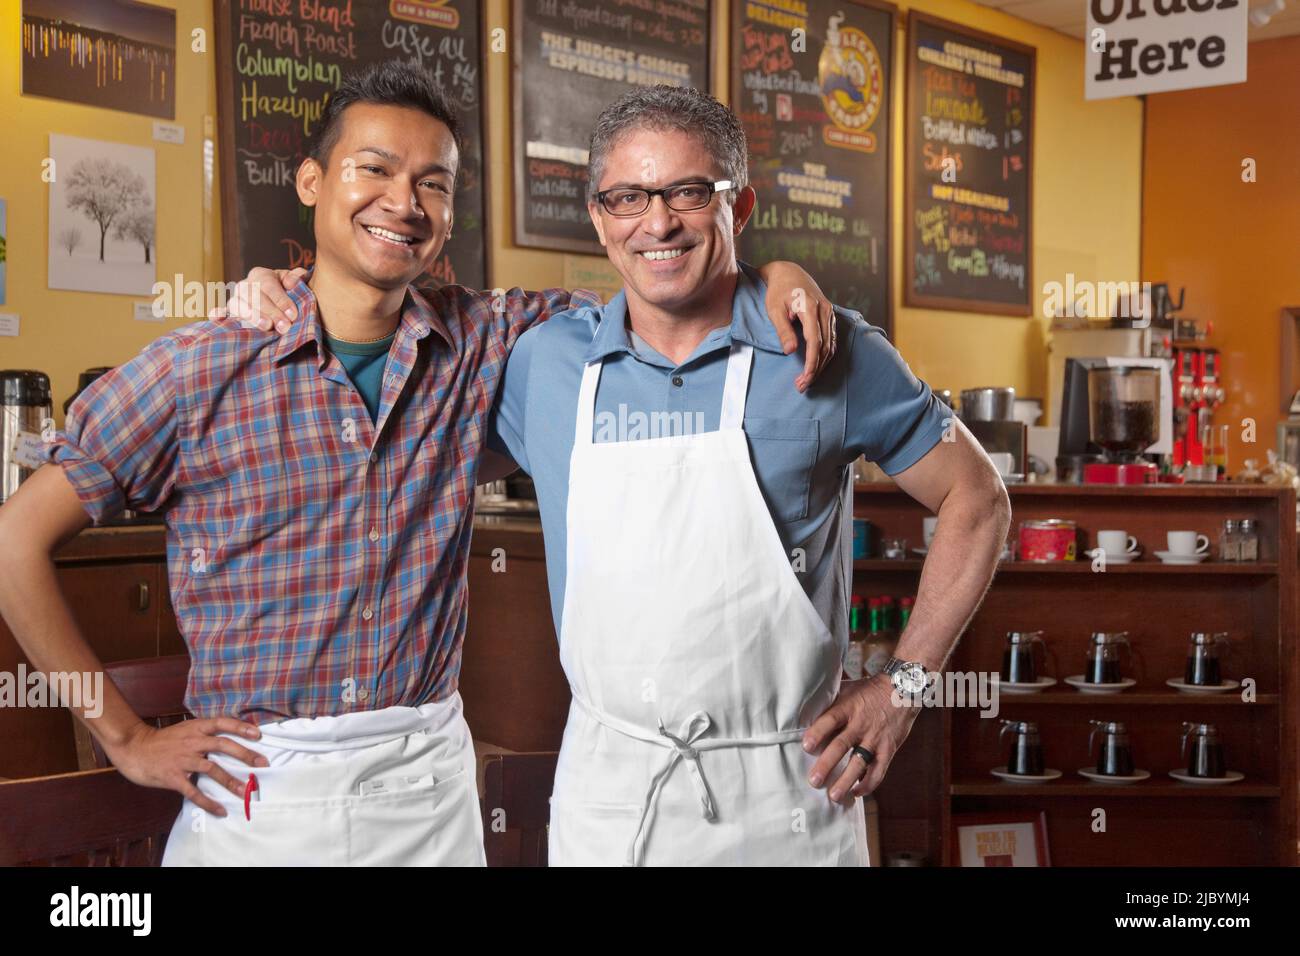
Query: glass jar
[[1230, 541]]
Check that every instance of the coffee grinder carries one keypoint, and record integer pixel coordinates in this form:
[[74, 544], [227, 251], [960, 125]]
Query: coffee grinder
[[1123, 420]]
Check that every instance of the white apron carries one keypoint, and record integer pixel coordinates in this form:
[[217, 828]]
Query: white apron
[[389, 787], [695, 659]]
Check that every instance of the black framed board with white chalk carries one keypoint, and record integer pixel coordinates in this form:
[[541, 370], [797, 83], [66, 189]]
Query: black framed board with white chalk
[[968, 169], [570, 60]]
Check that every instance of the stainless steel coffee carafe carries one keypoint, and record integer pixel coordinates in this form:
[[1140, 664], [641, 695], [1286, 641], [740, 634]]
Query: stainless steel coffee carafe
[[26, 416]]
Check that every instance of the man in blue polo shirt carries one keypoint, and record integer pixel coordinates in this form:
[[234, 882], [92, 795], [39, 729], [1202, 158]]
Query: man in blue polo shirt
[[697, 524]]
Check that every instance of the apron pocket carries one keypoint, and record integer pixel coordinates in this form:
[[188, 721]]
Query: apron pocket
[[283, 833], [591, 834], [435, 824]]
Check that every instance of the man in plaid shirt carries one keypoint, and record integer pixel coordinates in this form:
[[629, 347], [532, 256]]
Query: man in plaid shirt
[[318, 493]]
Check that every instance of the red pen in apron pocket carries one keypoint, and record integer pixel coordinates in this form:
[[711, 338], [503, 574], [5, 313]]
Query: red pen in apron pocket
[[248, 795]]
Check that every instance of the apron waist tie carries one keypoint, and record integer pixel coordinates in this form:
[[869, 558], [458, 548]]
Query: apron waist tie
[[686, 746]]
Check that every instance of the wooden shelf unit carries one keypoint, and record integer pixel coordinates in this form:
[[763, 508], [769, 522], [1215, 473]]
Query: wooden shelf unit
[[943, 769]]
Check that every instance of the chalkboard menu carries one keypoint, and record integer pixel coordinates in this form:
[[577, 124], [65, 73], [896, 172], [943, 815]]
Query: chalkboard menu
[[812, 82], [279, 61], [968, 173], [571, 59]]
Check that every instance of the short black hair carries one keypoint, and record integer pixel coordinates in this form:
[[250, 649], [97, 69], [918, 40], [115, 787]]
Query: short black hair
[[387, 83]]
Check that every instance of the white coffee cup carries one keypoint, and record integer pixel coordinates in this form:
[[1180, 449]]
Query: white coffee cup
[[1117, 542], [1188, 543], [928, 524], [1003, 461]]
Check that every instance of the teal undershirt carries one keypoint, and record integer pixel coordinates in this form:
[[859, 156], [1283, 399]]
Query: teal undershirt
[[364, 362]]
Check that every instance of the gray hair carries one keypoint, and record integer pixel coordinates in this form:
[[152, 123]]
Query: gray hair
[[671, 109]]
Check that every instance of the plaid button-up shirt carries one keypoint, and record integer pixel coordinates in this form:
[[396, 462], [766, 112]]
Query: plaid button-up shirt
[[317, 561]]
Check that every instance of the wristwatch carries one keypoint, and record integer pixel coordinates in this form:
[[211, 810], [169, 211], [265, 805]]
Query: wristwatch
[[910, 678]]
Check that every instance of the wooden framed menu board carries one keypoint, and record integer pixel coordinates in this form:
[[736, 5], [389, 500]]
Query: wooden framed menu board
[[817, 110], [277, 63], [571, 59], [968, 184]]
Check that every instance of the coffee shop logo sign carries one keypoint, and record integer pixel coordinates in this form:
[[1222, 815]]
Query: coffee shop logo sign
[[1098, 300]]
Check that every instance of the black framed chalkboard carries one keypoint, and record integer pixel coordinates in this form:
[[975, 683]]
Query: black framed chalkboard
[[817, 107], [968, 169], [570, 59], [277, 63]]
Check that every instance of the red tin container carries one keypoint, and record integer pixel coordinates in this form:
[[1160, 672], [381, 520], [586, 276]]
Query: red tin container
[[1051, 539]]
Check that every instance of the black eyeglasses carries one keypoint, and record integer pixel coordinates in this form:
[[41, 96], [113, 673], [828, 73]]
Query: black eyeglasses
[[628, 201]]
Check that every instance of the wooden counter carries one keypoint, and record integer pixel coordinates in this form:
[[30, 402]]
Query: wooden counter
[[516, 695]]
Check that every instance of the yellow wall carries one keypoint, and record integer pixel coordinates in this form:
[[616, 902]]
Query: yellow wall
[[1086, 207], [63, 333], [1087, 190]]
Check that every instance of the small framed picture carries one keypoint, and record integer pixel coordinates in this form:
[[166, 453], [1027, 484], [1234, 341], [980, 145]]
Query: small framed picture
[[1000, 839]]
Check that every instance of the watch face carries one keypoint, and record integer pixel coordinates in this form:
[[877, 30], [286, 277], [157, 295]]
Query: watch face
[[911, 678]]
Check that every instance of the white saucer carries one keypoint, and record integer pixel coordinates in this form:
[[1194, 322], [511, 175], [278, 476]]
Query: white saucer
[[1046, 775], [1124, 557], [921, 551], [1230, 776], [1095, 777], [1081, 685], [1018, 688], [1186, 688], [1168, 557]]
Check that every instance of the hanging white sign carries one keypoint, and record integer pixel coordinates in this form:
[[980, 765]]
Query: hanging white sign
[[1152, 46]]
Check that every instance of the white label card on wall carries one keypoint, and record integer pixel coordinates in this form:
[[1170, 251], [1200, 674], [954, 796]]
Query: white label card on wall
[[144, 312], [8, 323], [1152, 46], [168, 132]]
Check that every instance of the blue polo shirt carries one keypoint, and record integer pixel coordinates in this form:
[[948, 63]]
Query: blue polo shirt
[[866, 402]]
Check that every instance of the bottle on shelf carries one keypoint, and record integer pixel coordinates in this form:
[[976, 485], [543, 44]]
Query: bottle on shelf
[[888, 613], [904, 612], [880, 640], [853, 655]]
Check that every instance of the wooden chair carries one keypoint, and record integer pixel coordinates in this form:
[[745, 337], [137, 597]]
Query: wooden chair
[[516, 794], [155, 689], [88, 818]]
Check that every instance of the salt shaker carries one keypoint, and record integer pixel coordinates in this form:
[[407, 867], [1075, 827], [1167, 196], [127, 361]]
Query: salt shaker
[[1248, 540], [1230, 541]]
